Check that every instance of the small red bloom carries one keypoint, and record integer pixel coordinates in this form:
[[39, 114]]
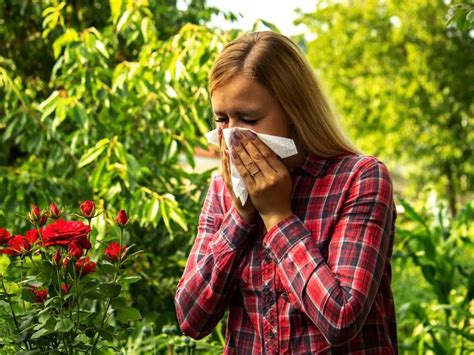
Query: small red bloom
[[84, 266], [88, 208], [65, 288], [112, 252], [32, 235], [75, 250], [5, 236], [122, 218], [17, 246], [40, 295], [57, 258], [54, 211]]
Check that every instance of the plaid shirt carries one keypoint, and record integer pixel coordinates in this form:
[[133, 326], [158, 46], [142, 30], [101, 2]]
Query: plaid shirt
[[317, 282]]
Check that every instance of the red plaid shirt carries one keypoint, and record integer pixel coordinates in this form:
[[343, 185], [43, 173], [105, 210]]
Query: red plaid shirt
[[317, 282]]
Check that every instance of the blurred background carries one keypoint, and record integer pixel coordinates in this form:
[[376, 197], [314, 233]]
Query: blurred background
[[108, 101]]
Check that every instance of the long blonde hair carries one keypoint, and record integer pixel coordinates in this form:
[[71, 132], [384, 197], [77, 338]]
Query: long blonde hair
[[275, 62]]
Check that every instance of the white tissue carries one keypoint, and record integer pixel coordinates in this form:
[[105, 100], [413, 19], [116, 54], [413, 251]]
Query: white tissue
[[283, 147]]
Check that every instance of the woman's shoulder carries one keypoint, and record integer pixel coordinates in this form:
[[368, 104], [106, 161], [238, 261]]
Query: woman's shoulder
[[342, 164]]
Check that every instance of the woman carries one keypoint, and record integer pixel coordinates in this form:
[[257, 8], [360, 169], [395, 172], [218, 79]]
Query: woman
[[304, 265]]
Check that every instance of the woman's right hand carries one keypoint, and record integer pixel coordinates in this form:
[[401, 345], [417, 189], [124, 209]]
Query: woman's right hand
[[248, 211]]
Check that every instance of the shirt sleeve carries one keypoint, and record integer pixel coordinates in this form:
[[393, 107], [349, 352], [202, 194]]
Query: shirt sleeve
[[337, 293], [206, 285]]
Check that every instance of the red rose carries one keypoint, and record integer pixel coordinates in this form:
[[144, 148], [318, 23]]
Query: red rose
[[88, 208], [40, 295], [112, 252], [84, 266], [57, 258], [122, 218], [54, 211], [65, 288], [75, 250], [17, 246], [32, 235], [5, 236], [62, 232]]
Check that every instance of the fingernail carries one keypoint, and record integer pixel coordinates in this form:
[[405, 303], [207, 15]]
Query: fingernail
[[237, 135], [235, 141], [234, 155], [251, 135]]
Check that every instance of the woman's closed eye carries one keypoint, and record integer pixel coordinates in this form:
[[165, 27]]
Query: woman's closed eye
[[244, 120]]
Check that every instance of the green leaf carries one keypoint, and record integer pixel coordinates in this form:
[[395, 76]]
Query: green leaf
[[128, 314], [93, 153], [64, 325], [131, 279], [110, 289], [40, 333]]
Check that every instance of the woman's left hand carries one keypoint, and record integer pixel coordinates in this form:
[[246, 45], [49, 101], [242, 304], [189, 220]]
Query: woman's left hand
[[266, 177]]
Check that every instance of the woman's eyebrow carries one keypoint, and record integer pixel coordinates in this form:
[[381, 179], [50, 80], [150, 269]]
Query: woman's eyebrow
[[239, 113]]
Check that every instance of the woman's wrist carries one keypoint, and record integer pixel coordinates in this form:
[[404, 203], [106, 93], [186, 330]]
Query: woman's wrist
[[271, 220]]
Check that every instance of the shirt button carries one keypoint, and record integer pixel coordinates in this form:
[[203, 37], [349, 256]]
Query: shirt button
[[284, 295], [270, 298]]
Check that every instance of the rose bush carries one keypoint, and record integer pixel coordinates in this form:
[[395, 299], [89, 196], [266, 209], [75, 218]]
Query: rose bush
[[62, 293]]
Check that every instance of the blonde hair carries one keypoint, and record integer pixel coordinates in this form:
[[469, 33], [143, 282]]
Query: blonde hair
[[275, 62]]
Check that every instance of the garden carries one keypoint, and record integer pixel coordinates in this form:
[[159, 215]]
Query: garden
[[102, 107]]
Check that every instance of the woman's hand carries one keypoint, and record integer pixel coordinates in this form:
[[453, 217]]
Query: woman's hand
[[266, 177], [247, 211]]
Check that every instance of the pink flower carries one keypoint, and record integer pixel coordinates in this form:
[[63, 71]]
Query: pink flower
[[88, 208], [113, 253], [122, 218]]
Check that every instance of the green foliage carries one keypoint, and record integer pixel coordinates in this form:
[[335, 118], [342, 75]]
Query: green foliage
[[437, 314], [463, 16], [107, 101], [403, 83]]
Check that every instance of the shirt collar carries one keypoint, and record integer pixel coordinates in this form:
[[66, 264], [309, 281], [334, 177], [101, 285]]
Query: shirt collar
[[316, 165]]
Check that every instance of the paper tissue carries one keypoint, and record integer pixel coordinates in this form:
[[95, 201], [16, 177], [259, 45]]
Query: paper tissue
[[283, 147]]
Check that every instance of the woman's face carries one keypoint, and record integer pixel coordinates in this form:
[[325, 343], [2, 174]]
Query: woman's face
[[247, 104]]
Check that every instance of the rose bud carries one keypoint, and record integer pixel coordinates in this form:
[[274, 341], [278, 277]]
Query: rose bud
[[35, 211], [65, 288], [84, 266], [112, 252], [54, 211], [5, 236], [75, 250], [57, 258], [88, 208], [40, 295], [122, 218]]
